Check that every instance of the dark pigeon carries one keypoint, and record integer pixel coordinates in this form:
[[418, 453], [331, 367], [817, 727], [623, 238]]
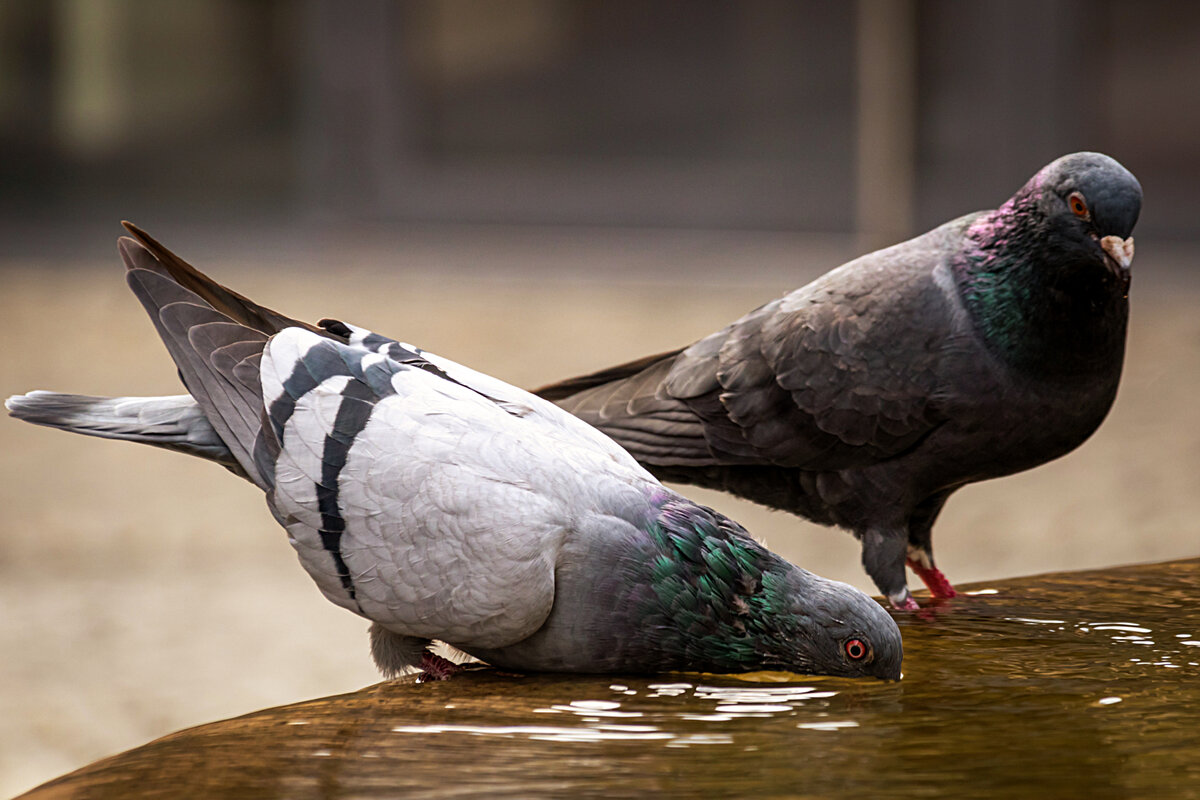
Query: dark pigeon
[[984, 347], [442, 504]]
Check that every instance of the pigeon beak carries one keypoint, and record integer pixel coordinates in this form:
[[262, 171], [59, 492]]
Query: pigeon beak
[[1120, 252]]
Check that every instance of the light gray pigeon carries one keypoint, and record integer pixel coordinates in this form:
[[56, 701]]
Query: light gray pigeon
[[986, 346], [442, 504]]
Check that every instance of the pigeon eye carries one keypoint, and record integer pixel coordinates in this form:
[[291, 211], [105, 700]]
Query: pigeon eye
[[1078, 206], [857, 649]]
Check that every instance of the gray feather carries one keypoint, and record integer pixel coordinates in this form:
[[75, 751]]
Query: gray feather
[[174, 423]]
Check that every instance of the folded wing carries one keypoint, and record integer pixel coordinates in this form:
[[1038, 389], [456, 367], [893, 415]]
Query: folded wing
[[420, 502]]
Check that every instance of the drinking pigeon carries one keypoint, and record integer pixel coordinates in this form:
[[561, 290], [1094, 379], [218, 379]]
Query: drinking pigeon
[[443, 504], [986, 346]]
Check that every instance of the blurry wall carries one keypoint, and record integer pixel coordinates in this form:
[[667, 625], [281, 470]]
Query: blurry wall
[[887, 115], [185, 101]]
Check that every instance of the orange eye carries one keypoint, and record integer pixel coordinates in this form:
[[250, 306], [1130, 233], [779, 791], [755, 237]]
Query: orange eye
[[1078, 207]]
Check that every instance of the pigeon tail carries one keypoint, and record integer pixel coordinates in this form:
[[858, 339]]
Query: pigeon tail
[[174, 423], [572, 386]]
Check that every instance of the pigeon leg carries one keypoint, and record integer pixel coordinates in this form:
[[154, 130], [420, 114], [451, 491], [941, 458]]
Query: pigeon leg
[[921, 562], [436, 668], [883, 554], [396, 654], [920, 547]]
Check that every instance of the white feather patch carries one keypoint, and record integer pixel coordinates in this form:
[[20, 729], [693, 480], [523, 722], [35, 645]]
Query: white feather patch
[[282, 353], [455, 508]]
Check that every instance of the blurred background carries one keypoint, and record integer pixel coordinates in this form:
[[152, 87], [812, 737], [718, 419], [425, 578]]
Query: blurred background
[[536, 188]]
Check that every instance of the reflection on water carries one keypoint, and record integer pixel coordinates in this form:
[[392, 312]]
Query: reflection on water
[[1071, 685]]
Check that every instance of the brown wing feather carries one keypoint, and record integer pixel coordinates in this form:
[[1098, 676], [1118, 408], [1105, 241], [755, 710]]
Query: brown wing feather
[[240, 309], [214, 335]]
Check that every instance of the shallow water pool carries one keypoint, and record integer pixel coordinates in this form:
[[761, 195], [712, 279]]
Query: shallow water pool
[[1068, 685]]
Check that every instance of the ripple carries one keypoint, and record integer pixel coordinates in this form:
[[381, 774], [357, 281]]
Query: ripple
[[1127, 627], [746, 708], [831, 725], [595, 705], [628, 728], [760, 694], [589, 708], [701, 739], [542, 732]]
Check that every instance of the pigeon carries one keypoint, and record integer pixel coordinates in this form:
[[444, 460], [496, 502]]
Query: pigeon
[[445, 505], [986, 346]]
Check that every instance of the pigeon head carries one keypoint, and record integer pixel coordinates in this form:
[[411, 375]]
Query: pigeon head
[[1090, 204], [712, 599], [842, 631], [1046, 275]]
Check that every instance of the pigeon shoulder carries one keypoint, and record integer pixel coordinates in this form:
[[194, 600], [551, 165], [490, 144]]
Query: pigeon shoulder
[[889, 277], [537, 411]]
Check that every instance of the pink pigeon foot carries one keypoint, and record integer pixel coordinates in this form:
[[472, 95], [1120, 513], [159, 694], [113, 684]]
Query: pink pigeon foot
[[903, 602], [933, 578]]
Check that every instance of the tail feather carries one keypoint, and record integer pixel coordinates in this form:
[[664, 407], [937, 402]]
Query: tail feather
[[174, 423], [216, 338], [572, 386]]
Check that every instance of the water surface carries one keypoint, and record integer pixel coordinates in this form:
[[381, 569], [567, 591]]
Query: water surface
[[1071, 685]]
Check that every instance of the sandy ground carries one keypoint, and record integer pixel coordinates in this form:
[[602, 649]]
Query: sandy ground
[[143, 591]]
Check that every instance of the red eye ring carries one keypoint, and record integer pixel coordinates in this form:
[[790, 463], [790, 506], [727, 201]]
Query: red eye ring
[[856, 649], [1078, 206]]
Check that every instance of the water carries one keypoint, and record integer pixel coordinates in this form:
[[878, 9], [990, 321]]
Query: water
[[1070, 685]]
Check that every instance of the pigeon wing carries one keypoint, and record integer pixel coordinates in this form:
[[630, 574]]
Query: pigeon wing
[[418, 501], [214, 335], [841, 372], [233, 305], [537, 410], [206, 346]]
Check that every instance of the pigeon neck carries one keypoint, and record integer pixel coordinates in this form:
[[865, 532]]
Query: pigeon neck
[[716, 599], [1049, 314]]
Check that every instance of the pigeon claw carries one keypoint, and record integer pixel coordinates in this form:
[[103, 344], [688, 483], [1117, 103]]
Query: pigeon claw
[[436, 668]]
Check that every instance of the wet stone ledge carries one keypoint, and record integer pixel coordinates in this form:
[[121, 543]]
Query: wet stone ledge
[[1069, 684]]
